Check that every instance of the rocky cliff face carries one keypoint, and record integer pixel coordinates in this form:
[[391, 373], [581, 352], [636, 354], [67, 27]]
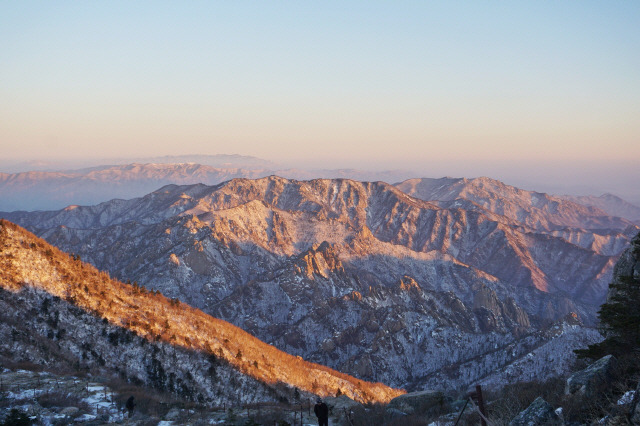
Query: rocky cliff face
[[356, 275], [628, 264]]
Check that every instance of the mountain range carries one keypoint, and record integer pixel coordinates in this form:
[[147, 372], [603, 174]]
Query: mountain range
[[431, 282], [609, 203], [53, 189], [224, 161]]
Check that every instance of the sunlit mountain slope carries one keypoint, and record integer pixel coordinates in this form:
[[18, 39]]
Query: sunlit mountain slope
[[27, 262]]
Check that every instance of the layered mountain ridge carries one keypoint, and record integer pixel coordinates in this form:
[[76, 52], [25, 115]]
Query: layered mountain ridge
[[360, 275], [46, 190], [612, 204], [539, 211]]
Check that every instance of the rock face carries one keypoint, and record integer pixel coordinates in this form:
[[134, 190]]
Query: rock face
[[492, 312], [539, 413], [358, 275], [628, 264], [421, 403], [343, 407], [592, 379]]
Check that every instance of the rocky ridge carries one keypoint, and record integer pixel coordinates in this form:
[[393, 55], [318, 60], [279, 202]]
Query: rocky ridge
[[356, 275]]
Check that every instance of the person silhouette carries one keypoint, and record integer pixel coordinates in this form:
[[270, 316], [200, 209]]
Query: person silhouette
[[130, 405], [322, 412]]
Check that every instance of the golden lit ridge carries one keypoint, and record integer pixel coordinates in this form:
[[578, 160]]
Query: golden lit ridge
[[26, 260]]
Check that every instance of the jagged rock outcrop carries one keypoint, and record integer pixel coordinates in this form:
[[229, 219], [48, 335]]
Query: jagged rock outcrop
[[319, 260], [342, 407], [424, 403], [593, 379], [628, 265], [539, 413], [497, 315]]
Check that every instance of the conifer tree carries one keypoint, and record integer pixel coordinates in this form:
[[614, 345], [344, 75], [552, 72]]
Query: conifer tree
[[619, 318], [620, 322]]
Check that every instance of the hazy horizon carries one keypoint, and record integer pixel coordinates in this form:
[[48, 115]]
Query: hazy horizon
[[541, 95], [592, 178]]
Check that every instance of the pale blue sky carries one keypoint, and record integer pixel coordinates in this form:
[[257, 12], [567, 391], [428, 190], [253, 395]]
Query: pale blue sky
[[368, 83]]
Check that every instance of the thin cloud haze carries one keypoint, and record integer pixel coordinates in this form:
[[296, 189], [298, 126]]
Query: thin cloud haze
[[463, 88]]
